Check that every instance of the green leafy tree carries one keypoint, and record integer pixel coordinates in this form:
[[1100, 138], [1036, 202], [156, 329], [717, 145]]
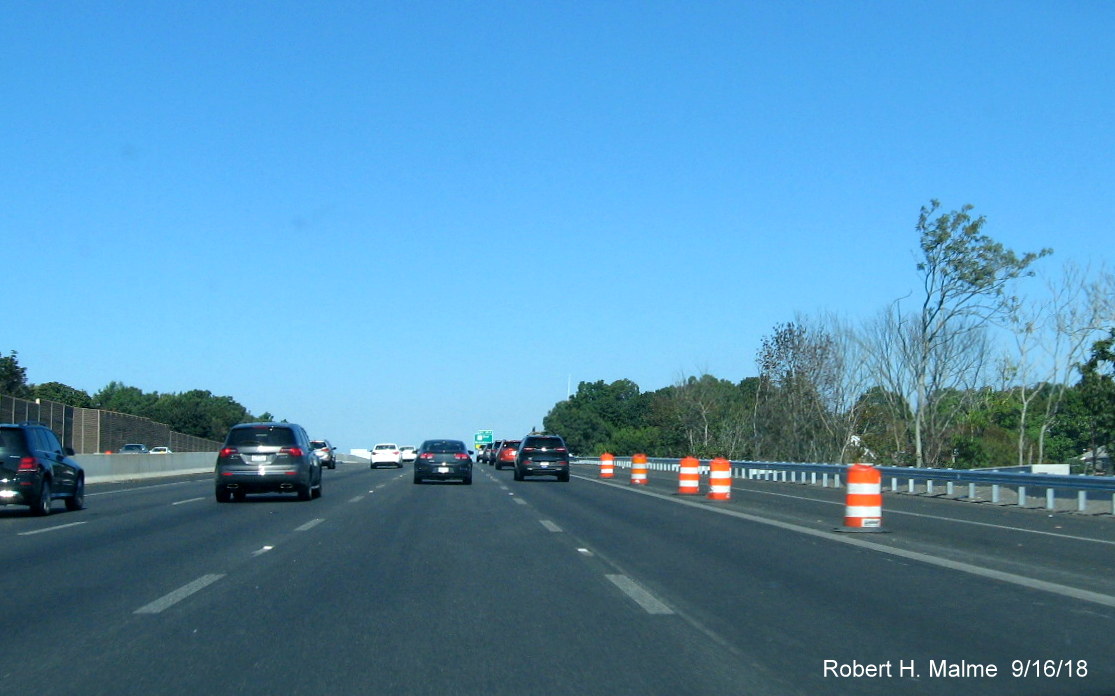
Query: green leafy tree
[[1097, 391], [13, 377], [63, 394]]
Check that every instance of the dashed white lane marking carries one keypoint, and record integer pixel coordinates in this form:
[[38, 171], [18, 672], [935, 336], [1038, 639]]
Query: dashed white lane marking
[[357, 499], [644, 599], [50, 529], [550, 525], [261, 551], [309, 525], [178, 595], [190, 500], [520, 501], [584, 552]]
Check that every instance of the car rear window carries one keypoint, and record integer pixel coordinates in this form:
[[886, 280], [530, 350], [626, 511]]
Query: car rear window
[[545, 442], [385, 447], [443, 446], [11, 441], [263, 436], [317, 444]]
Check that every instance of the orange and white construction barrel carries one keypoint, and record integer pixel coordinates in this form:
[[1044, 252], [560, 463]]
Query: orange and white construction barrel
[[689, 476], [720, 479], [639, 469], [607, 465], [863, 503]]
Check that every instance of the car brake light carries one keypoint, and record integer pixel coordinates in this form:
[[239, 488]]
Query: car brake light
[[460, 455], [292, 451], [28, 464], [425, 455], [227, 452]]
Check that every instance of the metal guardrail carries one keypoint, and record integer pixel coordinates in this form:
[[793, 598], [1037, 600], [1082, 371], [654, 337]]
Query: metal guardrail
[[913, 480]]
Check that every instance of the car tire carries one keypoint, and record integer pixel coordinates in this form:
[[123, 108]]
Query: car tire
[[43, 504], [306, 492], [417, 478], [222, 494], [467, 480], [518, 474], [77, 501], [239, 496], [316, 492]]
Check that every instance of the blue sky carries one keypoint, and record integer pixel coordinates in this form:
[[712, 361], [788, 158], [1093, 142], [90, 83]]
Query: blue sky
[[400, 220]]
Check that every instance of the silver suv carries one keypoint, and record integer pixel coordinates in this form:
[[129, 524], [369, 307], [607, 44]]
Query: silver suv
[[267, 458]]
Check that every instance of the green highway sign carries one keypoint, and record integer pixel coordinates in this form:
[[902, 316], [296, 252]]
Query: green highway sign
[[483, 437]]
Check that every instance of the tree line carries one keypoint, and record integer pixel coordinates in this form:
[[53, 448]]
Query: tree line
[[196, 412], [974, 368]]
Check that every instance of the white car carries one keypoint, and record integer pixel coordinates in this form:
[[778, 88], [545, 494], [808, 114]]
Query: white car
[[409, 453], [387, 453], [160, 450]]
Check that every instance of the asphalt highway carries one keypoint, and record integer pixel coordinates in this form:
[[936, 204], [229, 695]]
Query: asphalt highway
[[540, 587]]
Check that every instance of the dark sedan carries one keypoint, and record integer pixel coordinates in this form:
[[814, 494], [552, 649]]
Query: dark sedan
[[443, 459]]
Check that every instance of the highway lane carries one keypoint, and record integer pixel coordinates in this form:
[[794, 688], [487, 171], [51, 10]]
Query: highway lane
[[498, 588]]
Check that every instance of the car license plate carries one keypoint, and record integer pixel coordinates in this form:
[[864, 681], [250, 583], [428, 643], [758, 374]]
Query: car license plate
[[259, 457], [544, 464], [443, 470]]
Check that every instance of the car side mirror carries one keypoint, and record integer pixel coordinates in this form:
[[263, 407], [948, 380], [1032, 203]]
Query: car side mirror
[[69, 451]]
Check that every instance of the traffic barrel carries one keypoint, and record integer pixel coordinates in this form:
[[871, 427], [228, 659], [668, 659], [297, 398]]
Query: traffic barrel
[[720, 479], [607, 465], [863, 504], [639, 469], [689, 476]]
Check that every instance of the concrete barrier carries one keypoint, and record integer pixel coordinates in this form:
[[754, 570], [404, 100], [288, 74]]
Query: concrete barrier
[[103, 468]]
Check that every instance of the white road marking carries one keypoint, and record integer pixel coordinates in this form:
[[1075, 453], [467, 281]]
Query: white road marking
[[644, 599], [309, 525], [520, 501], [178, 595], [190, 500], [51, 529], [584, 552], [357, 499], [550, 525], [261, 551], [1021, 580]]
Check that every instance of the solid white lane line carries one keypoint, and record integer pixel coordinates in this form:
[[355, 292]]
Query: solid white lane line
[[178, 595], [189, 500], [1012, 578], [550, 525], [309, 525], [50, 529], [644, 599]]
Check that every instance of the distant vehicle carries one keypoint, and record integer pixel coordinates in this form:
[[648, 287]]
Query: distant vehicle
[[491, 451], [443, 459], [160, 450], [267, 458], [408, 453], [505, 455], [133, 448], [387, 453], [325, 453], [35, 469], [542, 455]]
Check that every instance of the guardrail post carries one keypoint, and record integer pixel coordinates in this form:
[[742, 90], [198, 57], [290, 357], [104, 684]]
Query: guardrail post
[[971, 491], [1022, 496], [825, 484], [995, 494], [1081, 501], [950, 488], [911, 486], [1050, 503], [929, 487]]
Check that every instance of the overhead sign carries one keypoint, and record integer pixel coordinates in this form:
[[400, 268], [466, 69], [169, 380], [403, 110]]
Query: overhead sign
[[483, 437]]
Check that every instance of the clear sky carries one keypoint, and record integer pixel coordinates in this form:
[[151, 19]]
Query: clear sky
[[390, 221]]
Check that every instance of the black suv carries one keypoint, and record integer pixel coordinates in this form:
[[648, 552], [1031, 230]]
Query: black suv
[[35, 469], [542, 455], [267, 458]]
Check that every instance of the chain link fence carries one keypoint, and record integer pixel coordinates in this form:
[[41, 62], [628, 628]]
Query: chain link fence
[[91, 430]]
